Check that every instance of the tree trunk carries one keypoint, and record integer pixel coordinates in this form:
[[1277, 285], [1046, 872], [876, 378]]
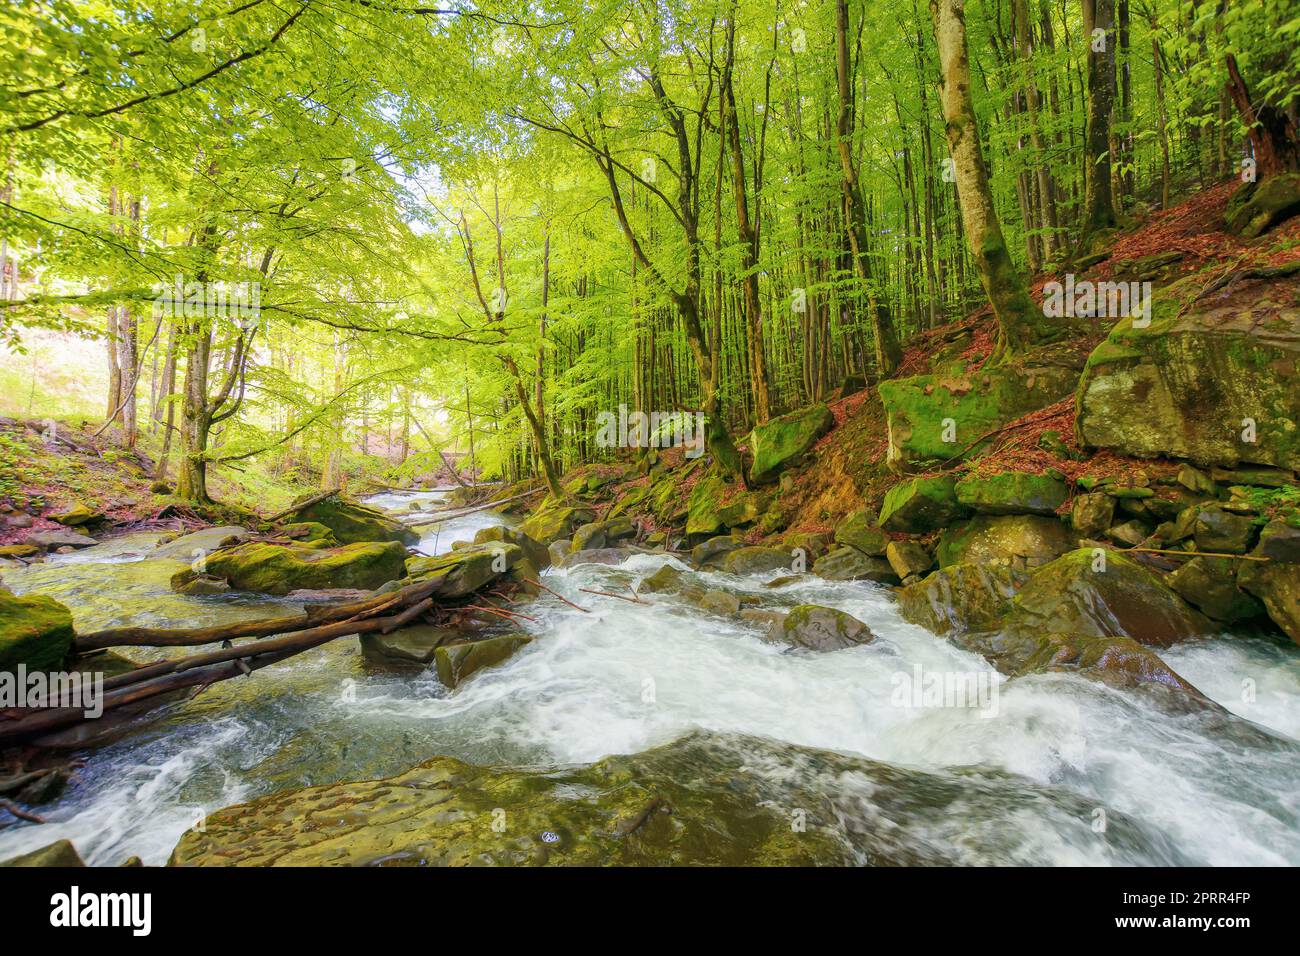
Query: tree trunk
[[1098, 203], [1020, 321]]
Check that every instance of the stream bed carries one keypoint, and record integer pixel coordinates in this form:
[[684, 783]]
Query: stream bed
[[629, 677]]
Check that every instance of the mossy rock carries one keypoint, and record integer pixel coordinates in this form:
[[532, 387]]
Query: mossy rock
[[1277, 585], [920, 505], [1105, 595], [908, 558], [1092, 514], [744, 509], [35, 631], [782, 442], [859, 531], [76, 516], [1113, 660], [279, 569], [538, 554], [756, 560], [694, 801], [1186, 385], [714, 550], [198, 543], [1221, 531], [61, 853], [1012, 493], [456, 663], [408, 645], [1015, 541], [1210, 585], [310, 533], [467, 569], [961, 598], [352, 522], [850, 564], [554, 519], [704, 505], [819, 628], [935, 418], [1257, 207]]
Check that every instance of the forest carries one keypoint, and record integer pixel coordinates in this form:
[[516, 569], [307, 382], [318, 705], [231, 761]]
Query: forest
[[966, 330]]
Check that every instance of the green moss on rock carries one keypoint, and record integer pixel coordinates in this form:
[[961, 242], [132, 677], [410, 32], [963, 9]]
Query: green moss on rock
[[920, 505], [35, 631], [781, 442], [352, 522], [1012, 493], [279, 569]]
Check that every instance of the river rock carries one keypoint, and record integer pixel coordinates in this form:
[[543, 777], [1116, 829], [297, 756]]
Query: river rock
[[850, 564], [35, 631], [908, 559], [606, 556], [468, 569], [720, 602], [279, 569], [60, 853], [756, 560], [198, 585], [1279, 541], [961, 598], [310, 533], [1277, 584], [1218, 530], [1092, 514], [859, 531], [920, 505], [714, 550], [1012, 493], [703, 506], [782, 442], [456, 663], [1210, 585], [200, 543], [553, 519], [820, 629], [414, 644], [537, 553], [353, 522], [1183, 386], [53, 540], [1015, 541], [1106, 595]]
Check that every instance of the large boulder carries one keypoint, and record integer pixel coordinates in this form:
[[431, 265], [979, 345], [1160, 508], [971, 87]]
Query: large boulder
[[1016, 541], [714, 550], [920, 505], [52, 540], [1218, 386], [757, 560], [935, 418], [1257, 207], [456, 663], [704, 506], [783, 441], [908, 559], [859, 530], [1012, 493], [555, 519], [850, 564], [35, 631], [465, 570], [353, 522], [694, 801], [1277, 584], [961, 598], [819, 628], [279, 569], [538, 554], [1210, 585], [60, 853], [1104, 595]]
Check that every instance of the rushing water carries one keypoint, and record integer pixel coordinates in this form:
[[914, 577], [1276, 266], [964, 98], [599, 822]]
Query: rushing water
[[626, 677]]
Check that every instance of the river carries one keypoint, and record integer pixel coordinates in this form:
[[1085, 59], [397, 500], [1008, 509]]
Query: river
[[625, 677]]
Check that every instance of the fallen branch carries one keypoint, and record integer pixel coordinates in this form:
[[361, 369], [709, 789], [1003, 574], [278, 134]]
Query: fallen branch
[[633, 599], [500, 612], [1194, 554], [539, 584]]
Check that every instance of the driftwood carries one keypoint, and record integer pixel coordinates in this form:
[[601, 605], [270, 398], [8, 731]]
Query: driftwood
[[382, 614]]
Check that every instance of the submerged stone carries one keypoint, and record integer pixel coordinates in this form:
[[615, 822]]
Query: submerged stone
[[820, 629]]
